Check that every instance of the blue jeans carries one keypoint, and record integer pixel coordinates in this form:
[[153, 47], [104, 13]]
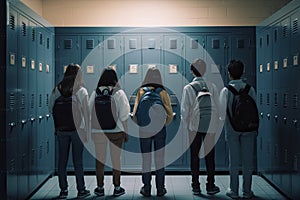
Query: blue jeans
[[159, 141], [241, 147], [65, 140]]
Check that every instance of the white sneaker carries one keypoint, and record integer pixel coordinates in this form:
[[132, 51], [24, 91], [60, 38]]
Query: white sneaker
[[232, 194]]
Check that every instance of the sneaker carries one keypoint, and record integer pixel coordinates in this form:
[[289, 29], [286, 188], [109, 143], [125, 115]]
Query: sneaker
[[196, 189], [248, 195], [211, 190], [144, 192], [63, 194], [118, 191], [232, 194], [99, 191], [161, 192], [83, 193]]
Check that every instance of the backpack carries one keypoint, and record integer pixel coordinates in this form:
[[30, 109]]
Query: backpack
[[204, 113], [105, 111], [150, 114], [244, 111], [66, 113]]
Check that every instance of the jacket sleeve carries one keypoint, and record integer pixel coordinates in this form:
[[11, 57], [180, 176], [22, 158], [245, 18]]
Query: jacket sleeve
[[54, 95], [167, 105]]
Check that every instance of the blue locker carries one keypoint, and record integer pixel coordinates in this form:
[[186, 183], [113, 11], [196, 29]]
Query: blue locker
[[32, 106], [67, 50], [217, 52], [22, 146], [133, 77]]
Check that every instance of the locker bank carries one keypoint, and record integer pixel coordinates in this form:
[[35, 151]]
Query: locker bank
[[37, 45]]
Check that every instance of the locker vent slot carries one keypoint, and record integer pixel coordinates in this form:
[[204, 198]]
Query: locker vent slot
[[275, 35], [23, 101], [295, 26], [111, 44], [12, 22], [151, 43], [275, 99], [40, 101], [260, 98], [12, 166], [268, 99], [11, 100], [240, 44], [33, 35], [268, 39], [68, 44], [284, 30], [295, 101], [285, 100], [260, 42], [194, 44], [47, 99], [23, 29], [89, 44], [173, 44], [215, 44], [32, 101], [132, 44], [48, 43], [41, 39]]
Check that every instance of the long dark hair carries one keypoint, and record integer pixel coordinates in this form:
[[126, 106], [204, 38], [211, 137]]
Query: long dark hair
[[108, 78], [153, 78], [72, 80]]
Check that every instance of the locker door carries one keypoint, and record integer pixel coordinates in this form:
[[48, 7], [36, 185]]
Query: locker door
[[132, 77], [67, 49], [242, 48], [32, 106], [11, 105], [173, 71], [217, 56], [92, 65], [113, 53], [22, 160], [194, 48]]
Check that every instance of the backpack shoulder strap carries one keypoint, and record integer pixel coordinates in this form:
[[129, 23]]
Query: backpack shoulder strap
[[232, 89], [246, 89], [199, 86], [158, 90], [146, 89]]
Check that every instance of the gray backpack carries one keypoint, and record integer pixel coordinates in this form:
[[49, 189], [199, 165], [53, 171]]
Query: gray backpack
[[204, 113]]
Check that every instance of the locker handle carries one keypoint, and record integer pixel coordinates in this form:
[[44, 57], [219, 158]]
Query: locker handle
[[295, 122], [40, 117], [276, 117], [47, 115], [23, 121], [32, 119], [268, 115], [261, 114], [284, 120], [174, 115], [12, 124]]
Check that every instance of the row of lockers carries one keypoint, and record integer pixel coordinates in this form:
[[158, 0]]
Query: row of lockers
[[131, 51], [28, 139], [278, 91]]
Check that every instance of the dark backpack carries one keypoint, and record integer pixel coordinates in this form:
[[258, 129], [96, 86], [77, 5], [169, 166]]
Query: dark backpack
[[104, 114], [244, 111], [66, 113], [150, 110], [204, 113]]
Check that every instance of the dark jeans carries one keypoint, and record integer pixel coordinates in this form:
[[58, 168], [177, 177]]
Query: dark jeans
[[159, 141], [65, 140], [196, 140]]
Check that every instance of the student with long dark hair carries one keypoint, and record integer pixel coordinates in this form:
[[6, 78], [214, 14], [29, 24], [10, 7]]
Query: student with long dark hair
[[67, 132], [153, 81], [109, 127]]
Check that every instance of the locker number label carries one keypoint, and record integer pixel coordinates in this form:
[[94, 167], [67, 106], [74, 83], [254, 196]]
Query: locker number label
[[133, 69], [12, 59], [40, 67], [285, 63], [172, 69], [32, 64], [47, 68], [23, 62], [276, 65], [260, 68], [268, 67], [90, 69], [295, 60]]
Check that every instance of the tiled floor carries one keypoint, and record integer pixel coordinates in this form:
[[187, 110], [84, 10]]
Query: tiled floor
[[178, 187]]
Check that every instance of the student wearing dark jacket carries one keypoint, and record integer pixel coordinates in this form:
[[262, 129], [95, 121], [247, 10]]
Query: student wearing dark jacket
[[72, 84]]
